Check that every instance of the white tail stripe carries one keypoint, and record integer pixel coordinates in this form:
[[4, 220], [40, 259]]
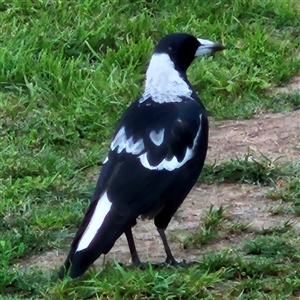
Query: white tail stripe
[[101, 210]]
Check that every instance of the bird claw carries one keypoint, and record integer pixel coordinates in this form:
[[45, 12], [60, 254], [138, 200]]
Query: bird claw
[[145, 265], [182, 263]]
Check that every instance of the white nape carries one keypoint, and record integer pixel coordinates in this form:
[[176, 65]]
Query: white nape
[[121, 142], [204, 48], [163, 82], [100, 212], [173, 163], [157, 137]]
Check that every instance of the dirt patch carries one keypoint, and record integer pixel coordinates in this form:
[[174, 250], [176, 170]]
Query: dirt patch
[[293, 86], [245, 204], [274, 135]]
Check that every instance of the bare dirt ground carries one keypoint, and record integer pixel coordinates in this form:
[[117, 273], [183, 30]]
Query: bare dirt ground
[[274, 135]]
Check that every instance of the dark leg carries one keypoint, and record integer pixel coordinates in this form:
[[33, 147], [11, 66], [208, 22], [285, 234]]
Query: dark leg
[[134, 255], [170, 259]]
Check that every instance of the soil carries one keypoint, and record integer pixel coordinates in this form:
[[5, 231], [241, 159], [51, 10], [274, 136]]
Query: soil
[[273, 135]]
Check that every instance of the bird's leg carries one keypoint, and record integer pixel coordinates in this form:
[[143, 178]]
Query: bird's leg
[[170, 259], [134, 255]]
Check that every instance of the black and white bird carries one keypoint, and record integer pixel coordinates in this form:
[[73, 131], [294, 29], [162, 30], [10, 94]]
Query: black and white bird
[[155, 157]]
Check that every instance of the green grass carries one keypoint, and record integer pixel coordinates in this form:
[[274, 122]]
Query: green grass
[[208, 231], [266, 267], [68, 69], [259, 171]]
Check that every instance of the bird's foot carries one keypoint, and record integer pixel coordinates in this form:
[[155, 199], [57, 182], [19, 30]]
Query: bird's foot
[[171, 261], [138, 264], [145, 265], [183, 263], [141, 265]]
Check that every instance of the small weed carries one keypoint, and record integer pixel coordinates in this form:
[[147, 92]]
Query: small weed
[[287, 191], [278, 210], [199, 237], [296, 209], [214, 217], [217, 261], [248, 169], [286, 226], [269, 246], [208, 231], [237, 227]]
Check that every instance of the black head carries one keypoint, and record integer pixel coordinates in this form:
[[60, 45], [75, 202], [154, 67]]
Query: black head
[[183, 48]]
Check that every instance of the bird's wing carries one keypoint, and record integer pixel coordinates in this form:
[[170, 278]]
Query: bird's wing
[[151, 143]]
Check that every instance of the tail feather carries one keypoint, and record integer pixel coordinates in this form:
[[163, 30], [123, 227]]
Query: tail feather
[[100, 212], [81, 260], [102, 225]]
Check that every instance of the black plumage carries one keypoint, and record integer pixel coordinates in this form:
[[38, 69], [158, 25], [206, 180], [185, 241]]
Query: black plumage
[[155, 158]]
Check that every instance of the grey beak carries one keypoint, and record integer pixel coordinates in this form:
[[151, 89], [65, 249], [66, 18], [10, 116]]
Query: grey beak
[[208, 47]]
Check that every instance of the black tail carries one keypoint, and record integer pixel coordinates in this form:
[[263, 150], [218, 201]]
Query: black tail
[[113, 225], [79, 261]]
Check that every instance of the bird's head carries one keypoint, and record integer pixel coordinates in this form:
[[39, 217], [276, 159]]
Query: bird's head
[[166, 79], [183, 48]]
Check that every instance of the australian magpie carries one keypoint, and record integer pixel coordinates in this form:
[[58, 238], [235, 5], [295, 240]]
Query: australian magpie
[[155, 157]]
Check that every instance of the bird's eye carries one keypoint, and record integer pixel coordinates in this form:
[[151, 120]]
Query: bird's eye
[[170, 49]]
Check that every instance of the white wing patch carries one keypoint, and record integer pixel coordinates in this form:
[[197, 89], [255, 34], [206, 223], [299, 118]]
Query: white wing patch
[[101, 210], [157, 137], [121, 142], [105, 160], [172, 164], [163, 82], [134, 148]]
